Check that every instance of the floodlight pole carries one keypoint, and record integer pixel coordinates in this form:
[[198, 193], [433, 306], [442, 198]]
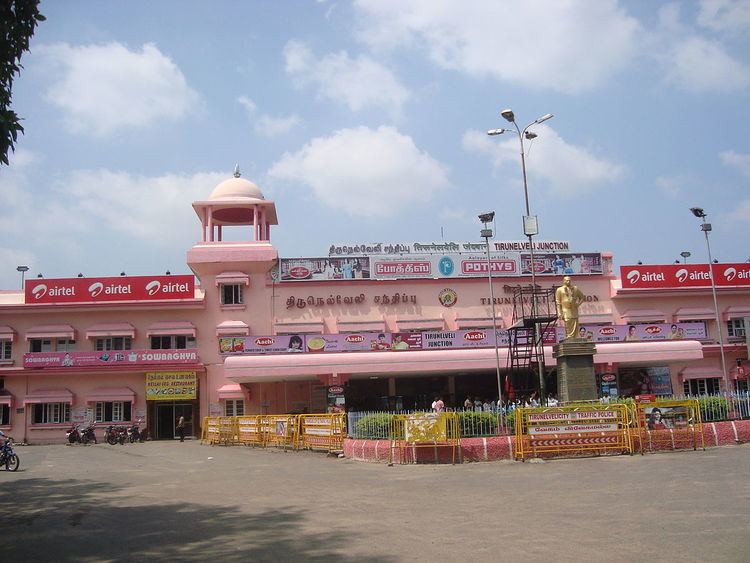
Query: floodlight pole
[[487, 233]]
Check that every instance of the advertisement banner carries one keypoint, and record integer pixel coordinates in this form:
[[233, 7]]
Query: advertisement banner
[[436, 266], [109, 357], [671, 276], [665, 418], [171, 386], [403, 267], [563, 264], [645, 381], [477, 338], [443, 247], [641, 332], [317, 269], [121, 288]]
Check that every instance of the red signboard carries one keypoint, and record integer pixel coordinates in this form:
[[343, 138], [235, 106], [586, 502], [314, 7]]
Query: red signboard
[[109, 358], [670, 276], [122, 288]]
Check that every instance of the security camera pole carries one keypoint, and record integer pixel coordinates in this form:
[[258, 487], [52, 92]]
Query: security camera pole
[[706, 228]]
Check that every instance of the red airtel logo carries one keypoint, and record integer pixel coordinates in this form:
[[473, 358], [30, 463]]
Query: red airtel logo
[[264, 341], [474, 335], [354, 338]]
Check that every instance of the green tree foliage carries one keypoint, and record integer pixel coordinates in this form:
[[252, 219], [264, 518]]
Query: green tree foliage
[[18, 20]]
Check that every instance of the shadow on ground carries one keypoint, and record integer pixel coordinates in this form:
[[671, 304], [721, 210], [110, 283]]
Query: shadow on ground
[[83, 521]]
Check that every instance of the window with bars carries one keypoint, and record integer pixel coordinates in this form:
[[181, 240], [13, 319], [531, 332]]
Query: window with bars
[[231, 294], [40, 345], [234, 407], [705, 386], [114, 343], [113, 411], [65, 345], [736, 328], [6, 349], [176, 342], [51, 413]]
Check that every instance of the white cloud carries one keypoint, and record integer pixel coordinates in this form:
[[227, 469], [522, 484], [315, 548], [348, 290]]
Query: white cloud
[[741, 212], [102, 89], [365, 172], [671, 186], [358, 83], [570, 46], [568, 170], [725, 15], [267, 125], [737, 160], [699, 65]]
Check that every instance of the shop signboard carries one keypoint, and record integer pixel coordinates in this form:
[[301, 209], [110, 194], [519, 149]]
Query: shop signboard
[[443, 247], [108, 358], [445, 265], [97, 290], [171, 385], [640, 332], [653, 380], [326, 268], [563, 263], [672, 276]]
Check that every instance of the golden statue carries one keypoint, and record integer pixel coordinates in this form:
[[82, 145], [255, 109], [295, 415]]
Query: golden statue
[[567, 298]]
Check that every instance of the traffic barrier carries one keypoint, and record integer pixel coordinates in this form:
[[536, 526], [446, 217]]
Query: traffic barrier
[[280, 430], [424, 437], [573, 430], [322, 432], [670, 425], [249, 430]]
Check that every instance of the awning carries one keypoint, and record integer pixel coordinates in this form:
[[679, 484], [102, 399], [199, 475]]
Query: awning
[[231, 391], [694, 314], [233, 278], [110, 329], [420, 324], [701, 372], [232, 328], [171, 328], [6, 398], [7, 333], [111, 394], [643, 316], [51, 331], [736, 312], [362, 325], [49, 396], [478, 322], [303, 326]]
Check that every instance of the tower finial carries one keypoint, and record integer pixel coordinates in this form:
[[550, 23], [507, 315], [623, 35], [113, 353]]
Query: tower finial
[[237, 171]]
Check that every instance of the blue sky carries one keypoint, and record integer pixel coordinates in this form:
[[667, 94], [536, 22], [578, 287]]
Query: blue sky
[[366, 121]]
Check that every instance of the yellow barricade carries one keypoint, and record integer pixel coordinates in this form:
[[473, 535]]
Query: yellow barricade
[[574, 429], [280, 430], [425, 437], [670, 425], [249, 430], [209, 430], [322, 432]]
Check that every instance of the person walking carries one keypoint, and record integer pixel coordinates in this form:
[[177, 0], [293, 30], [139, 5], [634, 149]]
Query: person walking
[[181, 428]]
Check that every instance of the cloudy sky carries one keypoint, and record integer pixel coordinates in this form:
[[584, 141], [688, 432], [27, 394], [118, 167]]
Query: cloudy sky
[[366, 121]]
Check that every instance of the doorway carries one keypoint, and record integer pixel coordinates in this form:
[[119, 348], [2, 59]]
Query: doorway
[[167, 415]]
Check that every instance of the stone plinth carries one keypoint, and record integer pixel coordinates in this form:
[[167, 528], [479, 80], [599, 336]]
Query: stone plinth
[[576, 380]]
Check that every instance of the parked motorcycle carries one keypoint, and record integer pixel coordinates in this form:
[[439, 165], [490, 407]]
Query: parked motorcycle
[[135, 434], [110, 435], [74, 434], [7, 456], [88, 434]]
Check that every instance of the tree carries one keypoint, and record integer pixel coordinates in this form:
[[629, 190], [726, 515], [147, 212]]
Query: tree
[[18, 20]]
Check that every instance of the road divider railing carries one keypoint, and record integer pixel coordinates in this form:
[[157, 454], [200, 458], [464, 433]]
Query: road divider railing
[[287, 431], [573, 430], [426, 436]]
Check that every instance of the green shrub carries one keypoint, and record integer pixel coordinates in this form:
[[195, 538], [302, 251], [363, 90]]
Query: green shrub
[[374, 426], [475, 424]]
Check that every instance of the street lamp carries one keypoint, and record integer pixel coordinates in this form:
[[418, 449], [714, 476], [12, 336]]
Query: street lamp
[[530, 224], [685, 255], [23, 270], [706, 228], [486, 233]]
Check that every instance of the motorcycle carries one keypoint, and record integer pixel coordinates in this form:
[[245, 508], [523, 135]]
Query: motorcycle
[[74, 434], [110, 435], [7, 456], [88, 434], [135, 434]]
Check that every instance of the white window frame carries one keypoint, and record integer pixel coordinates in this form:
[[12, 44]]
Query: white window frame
[[65, 344], [53, 413], [702, 386], [175, 342], [231, 407], [118, 411], [231, 294], [113, 343], [736, 328], [45, 345], [6, 349]]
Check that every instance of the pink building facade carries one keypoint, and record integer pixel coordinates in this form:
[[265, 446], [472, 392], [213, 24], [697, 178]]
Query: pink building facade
[[253, 333]]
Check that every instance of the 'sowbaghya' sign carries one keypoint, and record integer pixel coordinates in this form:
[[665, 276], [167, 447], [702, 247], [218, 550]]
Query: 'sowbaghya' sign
[[171, 386]]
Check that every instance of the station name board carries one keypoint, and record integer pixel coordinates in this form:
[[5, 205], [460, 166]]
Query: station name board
[[121, 288]]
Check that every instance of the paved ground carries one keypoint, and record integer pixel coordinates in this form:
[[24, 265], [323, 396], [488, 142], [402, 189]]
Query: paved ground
[[164, 500]]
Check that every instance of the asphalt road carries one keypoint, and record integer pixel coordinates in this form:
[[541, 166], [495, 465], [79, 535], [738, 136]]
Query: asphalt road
[[172, 501]]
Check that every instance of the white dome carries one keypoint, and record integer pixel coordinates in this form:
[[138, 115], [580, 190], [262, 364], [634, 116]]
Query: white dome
[[236, 188]]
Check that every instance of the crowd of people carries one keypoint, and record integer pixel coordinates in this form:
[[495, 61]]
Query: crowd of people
[[477, 404]]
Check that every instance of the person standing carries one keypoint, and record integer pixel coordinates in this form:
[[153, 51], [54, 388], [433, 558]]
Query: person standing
[[181, 428]]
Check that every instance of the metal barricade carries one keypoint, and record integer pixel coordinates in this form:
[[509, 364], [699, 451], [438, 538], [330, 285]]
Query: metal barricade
[[280, 430], [574, 429], [249, 430], [670, 425], [424, 437], [322, 432]]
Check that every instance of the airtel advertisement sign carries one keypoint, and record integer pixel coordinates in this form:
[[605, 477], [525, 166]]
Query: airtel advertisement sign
[[671, 276], [98, 290]]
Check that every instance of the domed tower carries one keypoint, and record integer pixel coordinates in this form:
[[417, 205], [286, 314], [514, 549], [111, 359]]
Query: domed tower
[[235, 202]]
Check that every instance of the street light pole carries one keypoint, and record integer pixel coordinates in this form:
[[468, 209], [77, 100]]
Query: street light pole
[[706, 228], [486, 233], [530, 227], [23, 270]]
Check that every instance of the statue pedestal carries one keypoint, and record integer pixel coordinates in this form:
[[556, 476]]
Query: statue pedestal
[[576, 380]]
